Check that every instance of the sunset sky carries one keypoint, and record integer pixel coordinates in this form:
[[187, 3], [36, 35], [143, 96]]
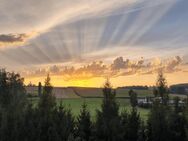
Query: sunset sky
[[82, 42]]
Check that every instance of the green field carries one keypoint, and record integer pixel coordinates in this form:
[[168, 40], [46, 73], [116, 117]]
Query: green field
[[73, 98], [93, 104]]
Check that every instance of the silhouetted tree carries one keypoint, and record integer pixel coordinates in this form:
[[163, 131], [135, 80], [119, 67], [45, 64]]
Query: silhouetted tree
[[63, 122], [155, 92], [84, 124], [12, 89], [108, 120], [142, 132], [162, 87], [185, 115], [157, 124], [45, 115], [133, 98], [124, 124], [12, 105], [47, 100], [133, 125], [39, 89], [177, 123]]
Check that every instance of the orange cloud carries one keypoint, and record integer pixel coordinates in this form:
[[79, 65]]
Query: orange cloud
[[119, 67]]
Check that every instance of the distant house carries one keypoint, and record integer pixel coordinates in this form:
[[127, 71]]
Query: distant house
[[148, 101], [145, 102]]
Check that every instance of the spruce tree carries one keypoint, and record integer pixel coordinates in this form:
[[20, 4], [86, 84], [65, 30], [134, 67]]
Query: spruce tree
[[177, 122], [162, 88], [47, 100], [133, 98], [133, 125], [108, 120], [46, 107], [39, 89], [84, 124], [157, 124], [12, 104]]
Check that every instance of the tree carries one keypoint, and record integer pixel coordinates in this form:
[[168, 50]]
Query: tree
[[157, 123], [177, 108], [155, 92], [185, 115], [133, 98], [46, 107], [29, 130], [162, 87], [47, 100], [84, 125], [39, 89], [177, 123], [12, 89], [124, 124], [133, 125], [108, 120], [12, 104], [63, 122], [142, 132]]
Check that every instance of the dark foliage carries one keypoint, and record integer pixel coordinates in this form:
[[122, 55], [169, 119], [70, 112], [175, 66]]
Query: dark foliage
[[108, 119]]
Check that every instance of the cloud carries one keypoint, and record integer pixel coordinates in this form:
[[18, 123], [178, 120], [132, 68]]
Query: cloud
[[14, 39], [119, 63], [169, 65], [44, 15], [95, 69], [54, 69], [172, 64], [119, 67]]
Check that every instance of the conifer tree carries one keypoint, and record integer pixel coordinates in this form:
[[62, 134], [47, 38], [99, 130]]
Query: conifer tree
[[177, 123], [133, 98], [46, 107], [84, 124], [47, 100], [39, 89], [108, 120], [162, 88], [133, 125], [157, 123]]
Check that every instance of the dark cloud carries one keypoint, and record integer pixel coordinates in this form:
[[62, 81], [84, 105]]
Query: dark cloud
[[172, 64], [119, 63], [10, 38]]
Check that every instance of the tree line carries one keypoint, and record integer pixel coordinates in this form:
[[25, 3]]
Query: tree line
[[23, 120]]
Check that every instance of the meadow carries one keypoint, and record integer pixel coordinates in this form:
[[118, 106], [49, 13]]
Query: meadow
[[73, 98], [93, 104]]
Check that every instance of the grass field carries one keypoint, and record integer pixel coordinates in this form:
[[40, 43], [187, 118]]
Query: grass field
[[94, 104], [83, 92], [73, 98], [97, 92]]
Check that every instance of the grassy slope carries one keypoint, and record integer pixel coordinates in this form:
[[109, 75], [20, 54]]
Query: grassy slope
[[94, 104], [97, 92]]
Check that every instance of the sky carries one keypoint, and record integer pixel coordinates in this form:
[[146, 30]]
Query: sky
[[81, 42]]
